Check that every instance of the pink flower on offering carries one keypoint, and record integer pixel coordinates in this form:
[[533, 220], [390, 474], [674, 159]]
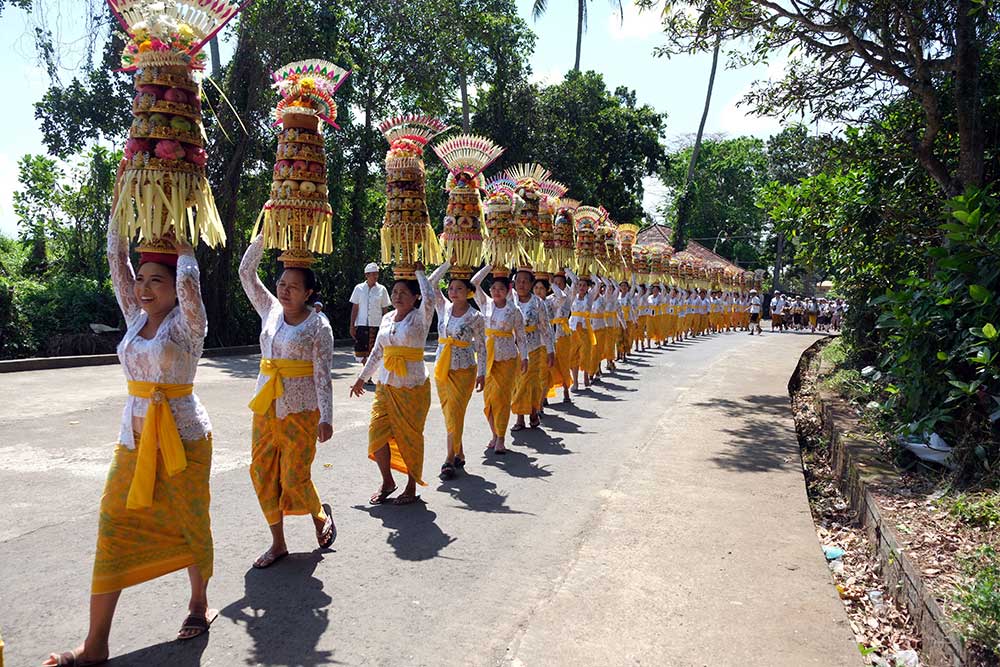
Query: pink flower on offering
[[196, 155], [176, 95], [169, 150], [134, 146]]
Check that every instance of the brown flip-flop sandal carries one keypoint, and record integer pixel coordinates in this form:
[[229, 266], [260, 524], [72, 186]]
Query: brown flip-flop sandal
[[517, 427], [72, 659], [381, 496], [329, 532], [198, 623], [406, 499], [267, 559]]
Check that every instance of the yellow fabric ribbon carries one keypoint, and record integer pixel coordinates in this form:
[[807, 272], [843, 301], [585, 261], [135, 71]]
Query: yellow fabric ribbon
[[159, 431], [491, 339], [443, 366], [274, 388], [590, 325], [532, 328], [395, 357], [563, 322]]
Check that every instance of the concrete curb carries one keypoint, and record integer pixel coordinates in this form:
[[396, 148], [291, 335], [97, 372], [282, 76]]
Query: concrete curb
[[858, 468]]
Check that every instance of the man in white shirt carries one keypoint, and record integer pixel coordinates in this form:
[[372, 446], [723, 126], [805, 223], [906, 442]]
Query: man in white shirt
[[777, 312], [369, 302], [755, 312]]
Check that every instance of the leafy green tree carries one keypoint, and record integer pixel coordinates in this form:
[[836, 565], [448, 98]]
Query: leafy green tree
[[722, 213], [849, 61]]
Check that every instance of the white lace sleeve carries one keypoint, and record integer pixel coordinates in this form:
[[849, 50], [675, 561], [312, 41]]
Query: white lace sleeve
[[595, 288], [322, 363], [477, 282], [545, 328], [375, 358], [260, 298], [520, 335], [426, 300], [571, 277], [189, 297], [122, 275], [440, 300], [479, 341], [559, 297]]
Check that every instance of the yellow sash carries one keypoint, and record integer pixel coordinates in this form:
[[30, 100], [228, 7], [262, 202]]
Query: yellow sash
[[531, 328], [491, 338], [590, 325], [563, 322], [159, 431], [394, 357], [443, 366], [274, 388]]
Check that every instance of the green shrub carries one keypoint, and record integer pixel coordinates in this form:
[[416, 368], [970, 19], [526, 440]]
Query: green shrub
[[978, 614], [941, 343], [981, 510]]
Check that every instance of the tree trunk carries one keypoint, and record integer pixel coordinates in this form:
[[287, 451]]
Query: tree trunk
[[244, 85], [581, 10], [463, 81], [779, 257], [213, 48], [684, 205], [968, 104], [356, 243]]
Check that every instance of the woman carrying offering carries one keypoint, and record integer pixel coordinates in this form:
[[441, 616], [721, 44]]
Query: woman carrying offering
[[154, 516], [403, 390], [560, 309], [530, 389], [505, 345], [460, 365], [293, 401]]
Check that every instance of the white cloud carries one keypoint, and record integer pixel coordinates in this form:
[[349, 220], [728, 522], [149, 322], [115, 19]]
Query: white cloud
[[636, 24], [738, 119], [548, 77]]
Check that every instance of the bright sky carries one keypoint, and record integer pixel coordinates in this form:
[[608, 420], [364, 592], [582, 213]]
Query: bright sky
[[623, 52]]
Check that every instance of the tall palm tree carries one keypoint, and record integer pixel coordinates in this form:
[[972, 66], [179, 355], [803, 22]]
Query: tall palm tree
[[538, 9]]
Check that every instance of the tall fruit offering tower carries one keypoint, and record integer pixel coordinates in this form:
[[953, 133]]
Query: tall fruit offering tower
[[297, 218]]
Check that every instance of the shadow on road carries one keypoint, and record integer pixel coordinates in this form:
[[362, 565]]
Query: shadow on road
[[477, 494], [542, 442], [174, 653], [517, 464], [284, 610], [572, 409], [413, 533], [764, 439], [557, 424]]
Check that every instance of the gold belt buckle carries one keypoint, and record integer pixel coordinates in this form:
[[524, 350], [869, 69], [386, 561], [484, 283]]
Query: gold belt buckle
[[158, 396]]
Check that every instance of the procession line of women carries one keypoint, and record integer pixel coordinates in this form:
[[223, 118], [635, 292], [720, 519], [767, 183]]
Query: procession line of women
[[519, 349]]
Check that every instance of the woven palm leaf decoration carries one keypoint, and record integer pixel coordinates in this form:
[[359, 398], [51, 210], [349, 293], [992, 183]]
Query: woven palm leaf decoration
[[586, 219], [466, 157], [502, 245], [163, 188], [548, 205], [407, 235], [297, 217], [527, 178]]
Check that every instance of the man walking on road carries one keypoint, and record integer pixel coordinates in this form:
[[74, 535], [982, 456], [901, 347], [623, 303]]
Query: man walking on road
[[755, 312], [369, 302], [777, 312]]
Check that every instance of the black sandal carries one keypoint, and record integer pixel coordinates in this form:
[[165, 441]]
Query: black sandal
[[329, 533], [198, 623], [460, 463], [447, 471], [382, 495]]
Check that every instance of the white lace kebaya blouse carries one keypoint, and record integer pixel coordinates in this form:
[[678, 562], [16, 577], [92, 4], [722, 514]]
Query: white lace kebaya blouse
[[469, 327], [581, 305], [411, 331], [508, 319], [310, 340], [557, 306], [536, 316], [171, 355]]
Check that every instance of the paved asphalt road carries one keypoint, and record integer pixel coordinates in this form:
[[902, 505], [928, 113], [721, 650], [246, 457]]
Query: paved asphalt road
[[659, 520]]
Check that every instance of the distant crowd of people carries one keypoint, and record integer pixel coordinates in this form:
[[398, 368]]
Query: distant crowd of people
[[790, 312]]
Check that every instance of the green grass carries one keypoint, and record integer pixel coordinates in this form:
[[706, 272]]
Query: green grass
[[848, 383], [835, 353], [978, 616], [981, 510]]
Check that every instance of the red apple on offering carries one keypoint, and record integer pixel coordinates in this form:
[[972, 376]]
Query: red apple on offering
[[176, 95], [196, 155], [299, 165]]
